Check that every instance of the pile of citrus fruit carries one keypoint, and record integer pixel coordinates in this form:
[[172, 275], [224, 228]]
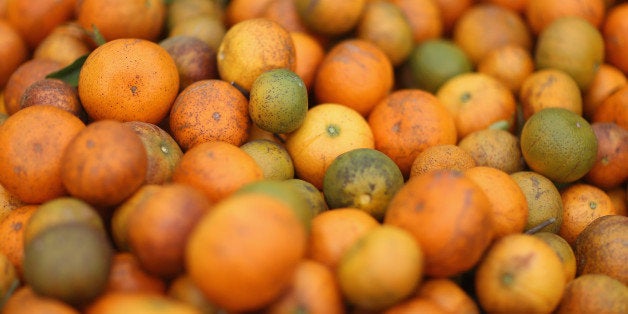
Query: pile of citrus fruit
[[313, 156]]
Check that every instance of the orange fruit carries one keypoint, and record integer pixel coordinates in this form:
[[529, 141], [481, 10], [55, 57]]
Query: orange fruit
[[209, 110], [66, 43], [239, 10], [217, 169], [127, 275], [600, 249], [12, 232], [614, 109], [209, 29], [543, 198], [227, 252], [564, 250], [494, 148], [611, 165], [407, 122], [330, 18], [13, 51], [448, 295], [8, 202], [607, 80], [24, 300], [309, 54], [416, 305], [558, 144], [549, 88], [446, 156], [381, 268], [424, 17], [594, 293], [328, 130], [520, 273], [485, 27], [614, 29], [128, 79], [573, 45], [540, 13], [384, 24], [26, 74], [510, 64], [123, 19], [453, 234], [355, 73], [582, 203], [31, 163], [35, 20], [334, 231], [104, 163], [138, 302], [476, 101], [252, 47], [53, 92], [181, 10], [509, 207], [160, 225], [314, 289]]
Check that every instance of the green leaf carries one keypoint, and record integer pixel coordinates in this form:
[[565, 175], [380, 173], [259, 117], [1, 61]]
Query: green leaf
[[70, 73], [97, 36]]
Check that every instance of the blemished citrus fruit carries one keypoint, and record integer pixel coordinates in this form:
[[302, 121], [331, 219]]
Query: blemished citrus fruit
[[510, 64], [608, 79], [128, 79], [600, 249], [363, 178], [594, 293], [13, 52], [26, 74], [31, 162], [386, 25], [520, 273], [573, 45], [138, 302], [434, 61], [54, 92], [564, 250], [541, 13], [12, 232], [613, 30], [104, 163], [252, 47], [495, 148], [558, 144], [447, 156], [543, 198], [448, 294], [272, 157], [227, 254], [35, 21], [424, 17], [381, 268], [328, 130], [278, 101], [330, 17], [614, 108], [208, 29], [127, 275], [25, 301], [582, 203], [62, 210], [407, 122], [209, 110], [80, 256], [119, 220], [452, 224], [309, 53], [194, 58], [611, 165], [547, 88]]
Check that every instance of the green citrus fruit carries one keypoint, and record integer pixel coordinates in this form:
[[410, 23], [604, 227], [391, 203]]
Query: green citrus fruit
[[559, 144], [362, 178], [434, 61], [272, 157], [278, 101]]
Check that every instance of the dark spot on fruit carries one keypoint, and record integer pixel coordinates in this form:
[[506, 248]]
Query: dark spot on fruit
[[16, 226]]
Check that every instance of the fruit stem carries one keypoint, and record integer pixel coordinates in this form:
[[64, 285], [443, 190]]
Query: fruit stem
[[540, 226]]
